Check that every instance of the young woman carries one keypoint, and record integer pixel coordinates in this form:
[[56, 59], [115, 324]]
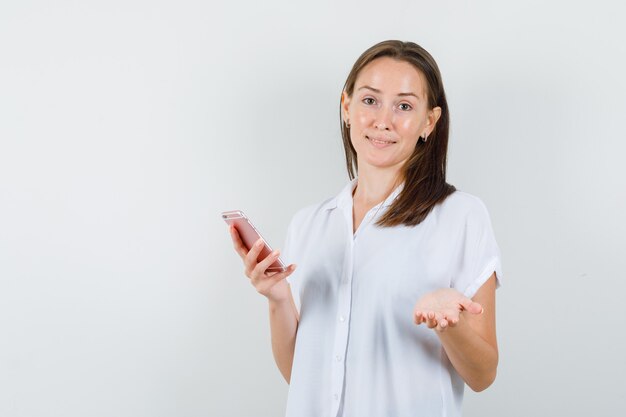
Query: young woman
[[392, 308]]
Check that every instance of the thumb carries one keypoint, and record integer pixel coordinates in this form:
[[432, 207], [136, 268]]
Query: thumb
[[471, 306]]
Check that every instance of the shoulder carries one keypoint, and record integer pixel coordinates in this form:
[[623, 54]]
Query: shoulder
[[462, 209], [321, 210], [311, 213], [463, 203]]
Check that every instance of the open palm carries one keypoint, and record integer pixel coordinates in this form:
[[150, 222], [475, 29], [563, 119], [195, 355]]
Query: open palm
[[442, 308]]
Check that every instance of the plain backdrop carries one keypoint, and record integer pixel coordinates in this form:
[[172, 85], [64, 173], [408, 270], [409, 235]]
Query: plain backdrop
[[126, 127]]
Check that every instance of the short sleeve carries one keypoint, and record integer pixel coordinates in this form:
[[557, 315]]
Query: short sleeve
[[289, 256], [479, 254]]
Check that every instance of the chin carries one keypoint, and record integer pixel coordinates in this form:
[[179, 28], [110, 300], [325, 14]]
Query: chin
[[381, 163]]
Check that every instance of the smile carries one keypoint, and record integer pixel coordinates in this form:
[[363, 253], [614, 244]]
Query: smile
[[379, 142]]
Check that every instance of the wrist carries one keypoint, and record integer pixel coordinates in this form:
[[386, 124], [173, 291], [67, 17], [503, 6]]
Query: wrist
[[278, 302], [280, 294]]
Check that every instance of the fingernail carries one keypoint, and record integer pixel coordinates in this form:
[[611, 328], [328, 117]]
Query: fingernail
[[259, 242]]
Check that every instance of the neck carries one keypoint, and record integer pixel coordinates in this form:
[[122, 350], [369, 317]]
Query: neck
[[375, 185]]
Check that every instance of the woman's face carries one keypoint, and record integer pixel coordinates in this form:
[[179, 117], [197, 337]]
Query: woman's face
[[388, 113]]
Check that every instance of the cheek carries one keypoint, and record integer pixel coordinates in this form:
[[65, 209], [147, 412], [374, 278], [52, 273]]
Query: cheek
[[355, 140], [361, 121], [409, 125], [363, 118]]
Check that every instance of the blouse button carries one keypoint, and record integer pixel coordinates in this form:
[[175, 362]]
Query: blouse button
[[342, 318]]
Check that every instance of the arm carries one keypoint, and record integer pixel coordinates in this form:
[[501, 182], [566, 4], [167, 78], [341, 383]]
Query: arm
[[283, 325], [467, 331], [471, 344], [283, 313]]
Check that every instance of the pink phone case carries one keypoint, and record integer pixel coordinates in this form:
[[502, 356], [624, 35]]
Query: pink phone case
[[249, 235]]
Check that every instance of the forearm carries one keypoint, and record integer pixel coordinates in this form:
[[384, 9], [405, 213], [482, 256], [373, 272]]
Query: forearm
[[283, 325], [473, 357]]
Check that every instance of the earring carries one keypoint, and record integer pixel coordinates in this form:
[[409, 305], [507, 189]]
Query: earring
[[425, 138], [347, 122]]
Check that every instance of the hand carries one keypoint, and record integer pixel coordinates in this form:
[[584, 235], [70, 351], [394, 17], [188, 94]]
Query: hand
[[442, 308], [271, 285]]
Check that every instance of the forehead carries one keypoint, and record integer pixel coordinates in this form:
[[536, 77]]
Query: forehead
[[392, 76]]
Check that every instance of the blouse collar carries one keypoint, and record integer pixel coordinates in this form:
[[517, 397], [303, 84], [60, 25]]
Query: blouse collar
[[344, 198]]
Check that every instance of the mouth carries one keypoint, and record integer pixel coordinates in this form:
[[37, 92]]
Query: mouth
[[381, 142]]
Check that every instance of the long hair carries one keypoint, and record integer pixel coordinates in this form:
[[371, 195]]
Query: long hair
[[424, 173]]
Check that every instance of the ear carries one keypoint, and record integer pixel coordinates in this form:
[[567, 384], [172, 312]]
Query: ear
[[345, 104], [432, 118]]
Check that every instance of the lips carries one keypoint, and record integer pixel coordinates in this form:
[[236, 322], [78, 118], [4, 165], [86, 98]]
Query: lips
[[377, 140]]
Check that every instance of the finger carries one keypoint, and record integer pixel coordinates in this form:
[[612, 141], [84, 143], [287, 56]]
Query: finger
[[237, 243], [264, 283], [262, 266], [439, 322], [451, 317], [441, 326], [431, 321], [452, 321], [253, 254], [279, 276], [276, 275], [471, 306], [418, 318]]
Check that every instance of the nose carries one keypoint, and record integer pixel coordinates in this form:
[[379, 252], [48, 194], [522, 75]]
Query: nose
[[383, 119]]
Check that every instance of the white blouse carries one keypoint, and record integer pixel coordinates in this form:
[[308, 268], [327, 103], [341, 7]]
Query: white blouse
[[358, 351]]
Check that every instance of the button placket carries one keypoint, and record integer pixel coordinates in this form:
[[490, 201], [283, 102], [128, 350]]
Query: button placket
[[342, 327], [367, 219]]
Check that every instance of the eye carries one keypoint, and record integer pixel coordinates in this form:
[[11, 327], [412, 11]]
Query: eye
[[369, 100], [405, 107]]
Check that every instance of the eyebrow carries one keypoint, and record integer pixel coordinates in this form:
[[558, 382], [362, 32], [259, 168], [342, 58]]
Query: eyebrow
[[378, 91]]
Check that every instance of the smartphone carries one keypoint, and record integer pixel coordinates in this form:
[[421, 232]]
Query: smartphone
[[249, 235]]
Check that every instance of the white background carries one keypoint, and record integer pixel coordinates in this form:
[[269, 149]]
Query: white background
[[126, 127]]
